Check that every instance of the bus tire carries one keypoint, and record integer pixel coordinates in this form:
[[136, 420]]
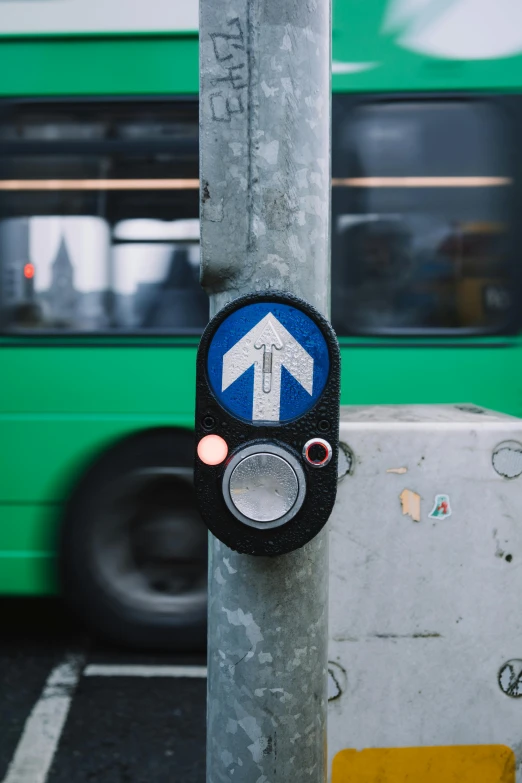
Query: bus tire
[[133, 548]]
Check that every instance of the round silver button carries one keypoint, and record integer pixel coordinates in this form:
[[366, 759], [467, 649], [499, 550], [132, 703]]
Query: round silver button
[[264, 486]]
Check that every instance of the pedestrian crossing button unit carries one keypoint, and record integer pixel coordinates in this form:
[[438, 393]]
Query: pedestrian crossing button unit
[[267, 392]]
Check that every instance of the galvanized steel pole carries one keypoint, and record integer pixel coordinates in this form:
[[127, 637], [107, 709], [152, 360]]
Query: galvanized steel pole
[[265, 219]]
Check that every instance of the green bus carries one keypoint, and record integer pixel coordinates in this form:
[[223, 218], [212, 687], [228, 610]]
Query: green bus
[[100, 307]]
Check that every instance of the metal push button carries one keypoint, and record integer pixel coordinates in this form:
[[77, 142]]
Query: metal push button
[[264, 486]]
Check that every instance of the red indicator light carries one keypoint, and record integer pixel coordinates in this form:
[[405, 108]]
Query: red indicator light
[[212, 450], [317, 452], [29, 271]]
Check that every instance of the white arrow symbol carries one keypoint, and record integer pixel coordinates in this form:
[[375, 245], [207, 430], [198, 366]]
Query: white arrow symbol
[[257, 348], [266, 340]]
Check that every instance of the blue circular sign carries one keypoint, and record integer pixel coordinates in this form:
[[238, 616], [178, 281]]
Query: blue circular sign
[[268, 362]]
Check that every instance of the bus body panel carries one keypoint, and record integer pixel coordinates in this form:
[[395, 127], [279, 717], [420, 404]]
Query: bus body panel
[[99, 66], [28, 548], [381, 46], [375, 48], [485, 374], [101, 380]]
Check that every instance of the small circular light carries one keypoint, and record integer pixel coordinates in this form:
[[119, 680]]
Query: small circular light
[[29, 271], [212, 450], [317, 452]]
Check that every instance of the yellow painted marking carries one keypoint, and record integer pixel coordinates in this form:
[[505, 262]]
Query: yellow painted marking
[[400, 471], [411, 504], [457, 764]]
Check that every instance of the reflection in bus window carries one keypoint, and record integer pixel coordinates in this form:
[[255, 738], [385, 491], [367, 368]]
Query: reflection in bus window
[[420, 225], [157, 281], [54, 273]]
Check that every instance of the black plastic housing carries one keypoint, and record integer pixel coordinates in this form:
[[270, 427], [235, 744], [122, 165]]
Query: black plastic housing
[[321, 421]]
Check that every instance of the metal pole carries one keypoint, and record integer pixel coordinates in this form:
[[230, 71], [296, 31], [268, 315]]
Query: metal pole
[[265, 215]]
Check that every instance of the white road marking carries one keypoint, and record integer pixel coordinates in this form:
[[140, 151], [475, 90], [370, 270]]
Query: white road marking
[[35, 751], [134, 670]]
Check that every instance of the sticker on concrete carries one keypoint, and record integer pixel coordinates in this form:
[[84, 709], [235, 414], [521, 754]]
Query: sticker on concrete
[[507, 459], [410, 502], [510, 678], [455, 764], [442, 508]]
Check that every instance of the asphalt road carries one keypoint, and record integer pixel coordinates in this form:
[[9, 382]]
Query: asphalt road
[[73, 710]]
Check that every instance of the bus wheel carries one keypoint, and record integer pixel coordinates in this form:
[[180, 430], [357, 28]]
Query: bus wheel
[[133, 550]]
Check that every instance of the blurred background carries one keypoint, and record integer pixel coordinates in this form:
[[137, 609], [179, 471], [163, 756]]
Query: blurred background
[[101, 308]]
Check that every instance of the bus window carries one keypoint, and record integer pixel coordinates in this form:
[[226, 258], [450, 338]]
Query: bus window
[[156, 275], [420, 233], [99, 223], [54, 273]]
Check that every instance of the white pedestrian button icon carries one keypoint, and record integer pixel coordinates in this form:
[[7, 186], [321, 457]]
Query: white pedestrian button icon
[[269, 347]]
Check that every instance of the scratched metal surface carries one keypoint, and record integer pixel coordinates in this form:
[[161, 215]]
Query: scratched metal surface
[[265, 212], [425, 621], [265, 147]]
